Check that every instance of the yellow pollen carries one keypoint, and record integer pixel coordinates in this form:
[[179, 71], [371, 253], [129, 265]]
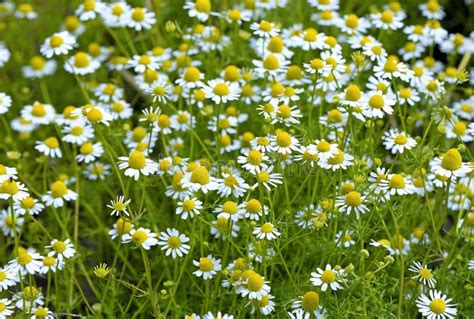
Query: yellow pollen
[[137, 160]]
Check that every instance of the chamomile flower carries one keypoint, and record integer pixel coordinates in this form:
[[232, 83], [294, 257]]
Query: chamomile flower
[[119, 206], [267, 231], [397, 141], [6, 308], [58, 194], [450, 164], [207, 267], [61, 249], [231, 184], [199, 179], [89, 152], [432, 10], [377, 105], [26, 11], [122, 229], [144, 238], [81, 64], [49, 147], [266, 178], [201, 9], [284, 143], [328, 278], [27, 261], [423, 274], [189, 207], [436, 305], [252, 160], [42, 313], [345, 239], [253, 209], [139, 19], [39, 67], [50, 263], [11, 223], [28, 204], [309, 305], [353, 201], [386, 20], [137, 164], [7, 279], [113, 14], [339, 161], [398, 184], [39, 113], [174, 243], [220, 91], [264, 29], [323, 149], [5, 102], [58, 44]]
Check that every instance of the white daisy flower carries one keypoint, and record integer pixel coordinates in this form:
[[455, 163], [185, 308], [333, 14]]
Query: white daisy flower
[[397, 141], [267, 231], [143, 237], [174, 243], [423, 274], [328, 278], [436, 305], [57, 194], [189, 207], [60, 43], [137, 164], [207, 267], [61, 249]]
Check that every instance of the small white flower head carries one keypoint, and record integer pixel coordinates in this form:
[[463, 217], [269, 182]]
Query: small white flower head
[[266, 231], [174, 243], [207, 267], [220, 91], [81, 64], [119, 206], [423, 274], [143, 237], [58, 194], [397, 141], [61, 249], [450, 165], [137, 164], [189, 207], [328, 278], [58, 44], [436, 305]]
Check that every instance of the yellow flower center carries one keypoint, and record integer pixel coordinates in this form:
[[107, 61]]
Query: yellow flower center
[[255, 282], [137, 160], [144, 60], [254, 206], [205, 264], [311, 35], [401, 139], [265, 26], [317, 64], [335, 116], [387, 16], [203, 6], [28, 203], [58, 189], [425, 273], [397, 181], [138, 14], [328, 276], [37, 63], [230, 207], [283, 139], [51, 142], [337, 159], [41, 312], [353, 199], [352, 21], [452, 160], [25, 8], [284, 111], [310, 301], [38, 110], [234, 15], [460, 128], [174, 242], [123, 226], [255, 157], [87, 148], [390, 66], [56, 41], [231, 73], [117, 10], [323, 146], [9, 187], [81, 60], [188, 205], [376, 101], [59, 246], [271, 62], [276, 45], [3, 276], [139, 237], [266, 228], [24, 258], [263, 176], [200, 175], [353, 93], [438, 306]]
